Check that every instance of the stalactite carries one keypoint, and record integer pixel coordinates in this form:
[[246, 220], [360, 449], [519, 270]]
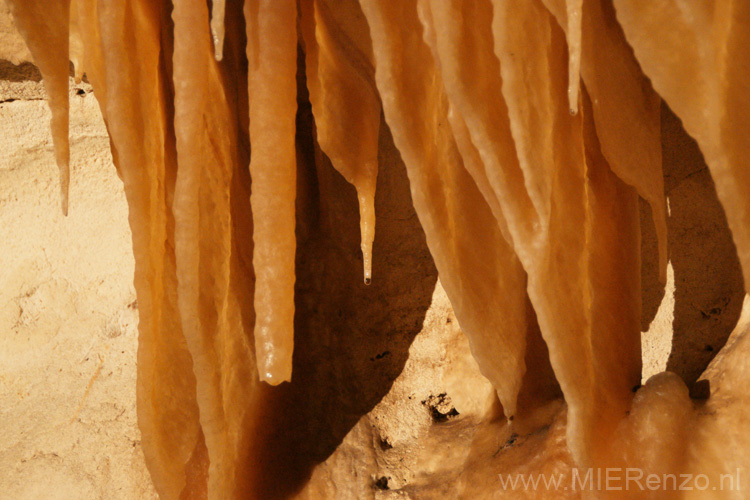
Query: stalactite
[[450, 208], [137, 96], [340, 71], [272, 59], [217, 27], [528, 131], [209, 292], [573, 9], [45, 27], [626, 110], [700, 68]]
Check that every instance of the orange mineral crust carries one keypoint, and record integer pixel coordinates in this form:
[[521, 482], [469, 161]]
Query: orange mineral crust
[[512, 140]]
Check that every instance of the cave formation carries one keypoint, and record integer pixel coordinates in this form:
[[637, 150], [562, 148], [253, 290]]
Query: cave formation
[[507, 147]]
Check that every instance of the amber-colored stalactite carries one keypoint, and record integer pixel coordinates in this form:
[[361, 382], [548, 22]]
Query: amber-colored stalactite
[[625, 108], [135, 95], [450, 208], [340, 71], [700, 67], [45, 27], [272, 60], [528, 131], [213, 296], [217, 27]]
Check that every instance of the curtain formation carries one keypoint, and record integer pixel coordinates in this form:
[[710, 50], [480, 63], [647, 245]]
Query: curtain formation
[[528, 129]]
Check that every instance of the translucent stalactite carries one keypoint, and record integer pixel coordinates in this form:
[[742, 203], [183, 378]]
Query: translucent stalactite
[[135, 96], [76, 46], [530, 213], [570, 262], [474, 259], [697, 59], [45, 27], [272, 59], [573, 31], [345, 102], [85, 15], [218, 9], [208, 291], [625, 107]]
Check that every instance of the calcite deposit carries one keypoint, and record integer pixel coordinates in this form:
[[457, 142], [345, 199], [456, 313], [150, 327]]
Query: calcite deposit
[[528, 130]]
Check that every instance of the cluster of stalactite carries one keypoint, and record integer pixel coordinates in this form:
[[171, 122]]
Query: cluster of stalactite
[[528, 129]]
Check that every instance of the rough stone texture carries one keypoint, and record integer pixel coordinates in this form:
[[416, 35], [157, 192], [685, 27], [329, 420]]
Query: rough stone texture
[[68, 316], [703, 296], [708, 279], [12, 47]]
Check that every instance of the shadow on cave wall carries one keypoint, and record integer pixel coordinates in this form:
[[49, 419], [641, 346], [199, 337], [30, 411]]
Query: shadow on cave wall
[[351, 340], [21, 72], [25, 71], [708, 281]]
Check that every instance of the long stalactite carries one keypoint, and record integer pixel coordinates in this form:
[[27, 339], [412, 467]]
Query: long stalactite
[[528, 131]]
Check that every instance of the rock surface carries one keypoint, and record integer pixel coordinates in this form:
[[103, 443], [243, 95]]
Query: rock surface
[[68, 315]]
